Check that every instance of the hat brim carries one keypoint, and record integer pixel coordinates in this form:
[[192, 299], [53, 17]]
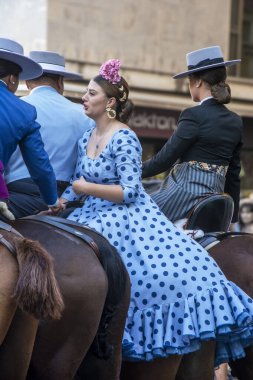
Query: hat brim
[[59, 70], [187, 73], [246, 201], [30, 69]]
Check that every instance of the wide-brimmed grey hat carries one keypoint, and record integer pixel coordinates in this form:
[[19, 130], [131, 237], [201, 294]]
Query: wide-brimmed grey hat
[[53, 63], [204, 59], [12, 51]]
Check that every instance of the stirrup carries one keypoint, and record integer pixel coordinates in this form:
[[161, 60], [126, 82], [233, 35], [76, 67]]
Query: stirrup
[[194, 234], [5, 211]]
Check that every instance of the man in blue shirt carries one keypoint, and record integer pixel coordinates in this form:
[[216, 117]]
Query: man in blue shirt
[[62, 124], [18, 124]]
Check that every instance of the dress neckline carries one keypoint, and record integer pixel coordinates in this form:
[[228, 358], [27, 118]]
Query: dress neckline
[[101, 153]]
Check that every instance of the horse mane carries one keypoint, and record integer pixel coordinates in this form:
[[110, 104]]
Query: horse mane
[[36, 291]]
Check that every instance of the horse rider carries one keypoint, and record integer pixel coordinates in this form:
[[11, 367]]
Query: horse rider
[[18, 121], [203, 154], [62, 124]]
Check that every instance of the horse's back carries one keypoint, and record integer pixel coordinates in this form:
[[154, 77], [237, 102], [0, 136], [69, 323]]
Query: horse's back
[[234, 255], [96, 290], [83, 283]]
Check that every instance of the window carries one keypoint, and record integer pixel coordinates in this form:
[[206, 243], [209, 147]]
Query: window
[[241, 37]]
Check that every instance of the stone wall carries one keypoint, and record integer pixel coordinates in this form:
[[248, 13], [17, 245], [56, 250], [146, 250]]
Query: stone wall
[[146, 35], [150, 37]]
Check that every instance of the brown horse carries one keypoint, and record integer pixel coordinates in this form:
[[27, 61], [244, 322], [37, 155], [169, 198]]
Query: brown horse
[[96, 298], [234, 255], [27, 282]]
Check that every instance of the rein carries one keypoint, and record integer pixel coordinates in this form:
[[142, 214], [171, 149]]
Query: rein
[[6, 243], [67, 226]]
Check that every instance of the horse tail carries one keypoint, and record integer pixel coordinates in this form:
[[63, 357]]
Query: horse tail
[[118, 280], [36, 291]]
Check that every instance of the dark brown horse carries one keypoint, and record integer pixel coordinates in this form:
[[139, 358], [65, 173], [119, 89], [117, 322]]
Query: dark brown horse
[[96, 298], [27, 282], [234, 255]]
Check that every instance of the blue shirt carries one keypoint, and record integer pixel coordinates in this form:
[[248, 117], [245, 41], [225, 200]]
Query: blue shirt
[[18, 126], [62, 124]]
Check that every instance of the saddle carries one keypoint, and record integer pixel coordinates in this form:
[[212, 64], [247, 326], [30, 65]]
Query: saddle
[[212, 216], [212, 213], [69, 227]]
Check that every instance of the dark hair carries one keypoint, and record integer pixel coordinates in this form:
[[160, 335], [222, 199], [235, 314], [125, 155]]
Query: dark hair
[[247, 205], [216, 78], [119, 91], [45, 77], [8, 67]]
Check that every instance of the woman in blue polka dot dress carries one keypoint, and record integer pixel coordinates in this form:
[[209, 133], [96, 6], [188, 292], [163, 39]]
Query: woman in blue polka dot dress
[[179, 296]]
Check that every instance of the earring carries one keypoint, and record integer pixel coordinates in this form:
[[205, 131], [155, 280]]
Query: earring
[[110, 113]]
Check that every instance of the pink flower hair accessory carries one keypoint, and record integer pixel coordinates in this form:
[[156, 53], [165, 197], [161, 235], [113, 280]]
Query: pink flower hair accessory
[[110, 70]]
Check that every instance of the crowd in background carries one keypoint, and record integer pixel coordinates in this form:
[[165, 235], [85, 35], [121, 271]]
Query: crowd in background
[[245, 222]]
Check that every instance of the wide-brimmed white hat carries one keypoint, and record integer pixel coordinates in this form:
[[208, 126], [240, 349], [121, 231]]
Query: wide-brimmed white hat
[[12, 51], [53, 63], [246, 201], [204, 59]]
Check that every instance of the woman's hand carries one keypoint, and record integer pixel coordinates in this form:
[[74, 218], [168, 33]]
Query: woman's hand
[[80, 186]]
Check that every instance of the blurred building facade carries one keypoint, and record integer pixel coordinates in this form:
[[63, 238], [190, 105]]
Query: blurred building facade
[[151, 39]]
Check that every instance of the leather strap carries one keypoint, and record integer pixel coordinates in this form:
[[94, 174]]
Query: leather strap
[[223, 235], [9, 228], [62, 225], [6, 227], [8, 245]]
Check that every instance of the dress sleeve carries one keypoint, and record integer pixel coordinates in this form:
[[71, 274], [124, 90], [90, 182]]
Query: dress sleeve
[[186, 134], [69, 193], [232, 184], [127, 151]]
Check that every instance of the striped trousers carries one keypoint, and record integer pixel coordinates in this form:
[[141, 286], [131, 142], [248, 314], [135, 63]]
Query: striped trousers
[[184, 187]]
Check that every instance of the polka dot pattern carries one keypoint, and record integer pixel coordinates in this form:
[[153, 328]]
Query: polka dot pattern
[[179, 294]]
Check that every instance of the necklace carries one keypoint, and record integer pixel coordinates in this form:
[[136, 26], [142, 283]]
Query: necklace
[[97, 144], [100, 140]]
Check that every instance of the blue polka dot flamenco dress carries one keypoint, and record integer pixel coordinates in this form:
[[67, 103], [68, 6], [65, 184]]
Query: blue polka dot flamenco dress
[[179, 296]]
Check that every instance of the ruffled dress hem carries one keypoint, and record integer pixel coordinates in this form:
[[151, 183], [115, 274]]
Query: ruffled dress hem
[[180, 327]]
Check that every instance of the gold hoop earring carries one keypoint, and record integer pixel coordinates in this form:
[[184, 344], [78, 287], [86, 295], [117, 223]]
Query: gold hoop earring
[[111, 113]]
